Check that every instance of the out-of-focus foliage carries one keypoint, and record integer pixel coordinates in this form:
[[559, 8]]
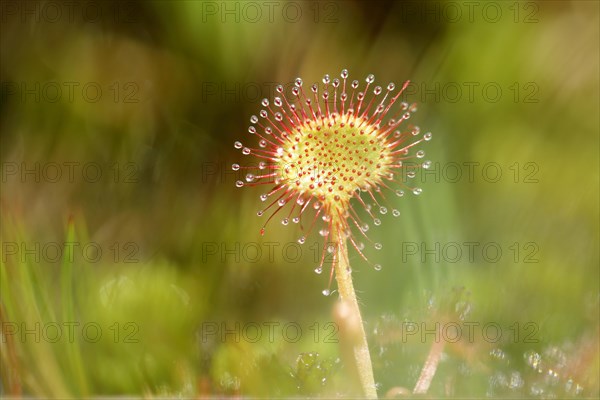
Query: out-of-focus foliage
[[179, 295]]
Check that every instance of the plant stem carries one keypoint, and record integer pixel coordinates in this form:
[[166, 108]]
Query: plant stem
[[428, 371], [360, 348]]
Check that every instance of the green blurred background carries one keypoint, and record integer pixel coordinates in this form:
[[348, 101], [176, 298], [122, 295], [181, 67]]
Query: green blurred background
[[151, 95]]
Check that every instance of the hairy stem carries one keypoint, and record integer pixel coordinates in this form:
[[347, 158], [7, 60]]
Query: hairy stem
[[360, 348]]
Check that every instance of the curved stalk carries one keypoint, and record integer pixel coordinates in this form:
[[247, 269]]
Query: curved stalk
[[360, 348]]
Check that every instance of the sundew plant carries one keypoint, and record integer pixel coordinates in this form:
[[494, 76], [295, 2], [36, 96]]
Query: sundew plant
[[333, 150]]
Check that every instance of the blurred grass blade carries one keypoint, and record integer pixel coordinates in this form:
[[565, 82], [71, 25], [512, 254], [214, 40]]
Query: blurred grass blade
[[72, 349]]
